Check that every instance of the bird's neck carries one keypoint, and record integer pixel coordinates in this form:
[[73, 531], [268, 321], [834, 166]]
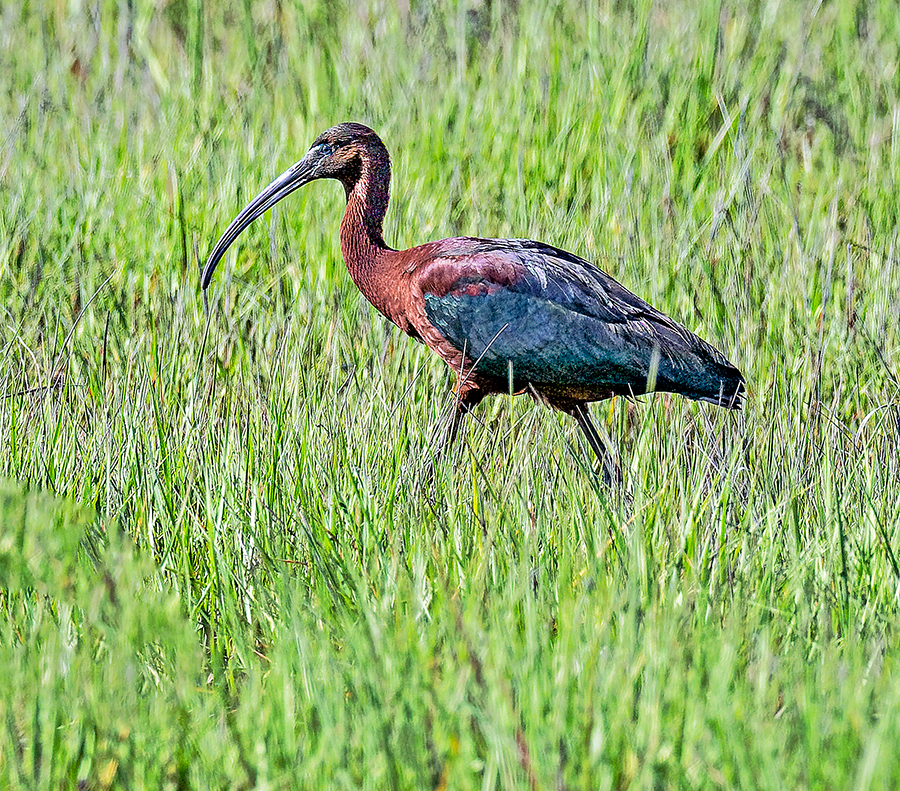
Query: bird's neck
[[369, 260], [362, 243]]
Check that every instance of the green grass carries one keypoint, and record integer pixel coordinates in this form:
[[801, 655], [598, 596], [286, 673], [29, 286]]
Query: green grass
[[220, 565]]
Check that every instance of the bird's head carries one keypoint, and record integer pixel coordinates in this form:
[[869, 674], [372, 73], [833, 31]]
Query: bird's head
[[339, 153]]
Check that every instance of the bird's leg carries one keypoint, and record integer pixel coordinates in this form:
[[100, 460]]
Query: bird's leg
[[611, 471], [467, 398], [460, 410], [462, 405]]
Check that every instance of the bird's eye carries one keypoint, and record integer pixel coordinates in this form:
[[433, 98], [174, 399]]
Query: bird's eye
[[325, 149]]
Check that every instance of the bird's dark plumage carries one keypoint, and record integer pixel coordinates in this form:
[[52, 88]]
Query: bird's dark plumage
[[507, 315], [568, 327]]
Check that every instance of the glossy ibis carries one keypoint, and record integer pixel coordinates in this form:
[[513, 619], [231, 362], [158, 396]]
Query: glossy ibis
[[507, 315]]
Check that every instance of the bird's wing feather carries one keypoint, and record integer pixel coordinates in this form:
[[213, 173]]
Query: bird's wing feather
[[535, 268], [537, 314]]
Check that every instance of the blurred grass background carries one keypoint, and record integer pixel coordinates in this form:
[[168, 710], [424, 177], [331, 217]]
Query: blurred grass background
[[220, 565]]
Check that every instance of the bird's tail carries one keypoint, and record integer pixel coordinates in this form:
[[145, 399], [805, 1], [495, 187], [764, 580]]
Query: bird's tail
[[729, 391]]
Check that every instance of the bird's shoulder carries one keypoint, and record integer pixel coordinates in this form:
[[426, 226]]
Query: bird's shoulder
[[473, 267]]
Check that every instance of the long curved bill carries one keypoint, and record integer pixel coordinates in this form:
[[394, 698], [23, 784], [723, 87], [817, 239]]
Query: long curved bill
[[293, 178]]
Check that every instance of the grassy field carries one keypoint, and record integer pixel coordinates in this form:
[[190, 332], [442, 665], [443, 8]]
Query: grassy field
[[221, 563]]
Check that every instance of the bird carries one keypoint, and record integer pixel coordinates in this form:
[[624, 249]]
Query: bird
[[506, 315]]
